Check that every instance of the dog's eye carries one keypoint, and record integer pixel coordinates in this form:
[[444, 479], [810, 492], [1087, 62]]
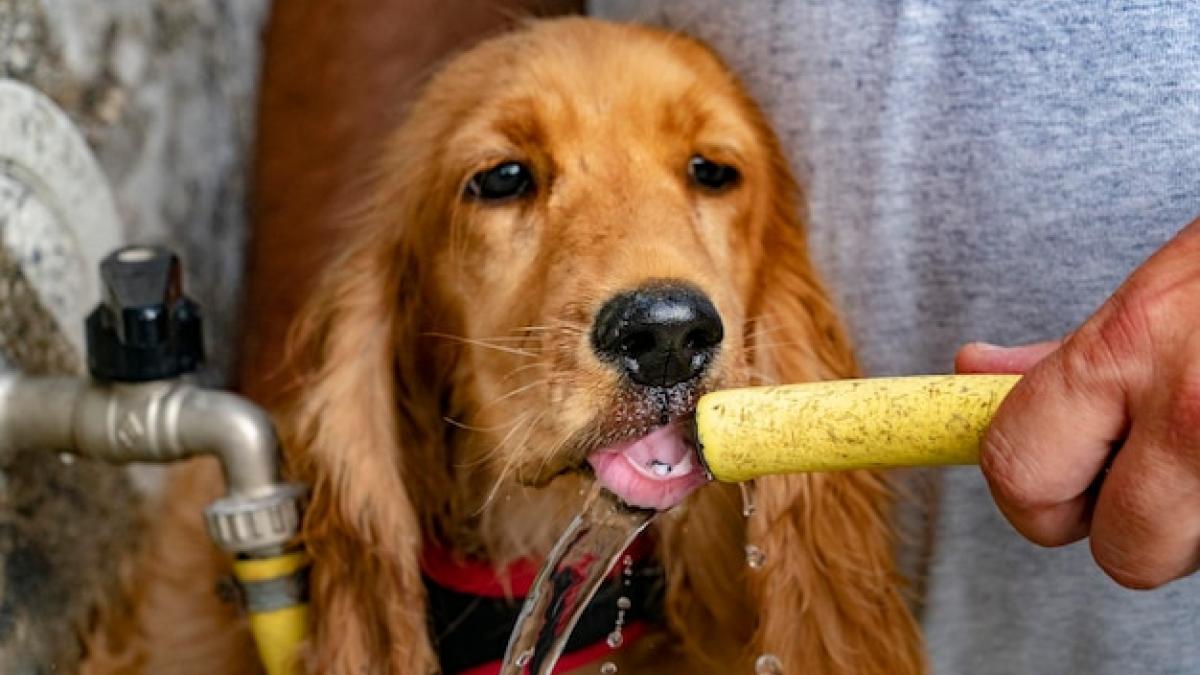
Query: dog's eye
[[503, 181], [711, 175]]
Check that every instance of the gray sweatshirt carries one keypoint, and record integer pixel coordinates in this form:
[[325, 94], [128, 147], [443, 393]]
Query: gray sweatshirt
[[984, 169]]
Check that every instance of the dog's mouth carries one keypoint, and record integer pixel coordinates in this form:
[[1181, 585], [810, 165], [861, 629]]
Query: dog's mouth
[[655, 471]]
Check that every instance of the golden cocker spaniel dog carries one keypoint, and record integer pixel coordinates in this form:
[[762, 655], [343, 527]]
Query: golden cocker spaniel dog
[[580, 229]]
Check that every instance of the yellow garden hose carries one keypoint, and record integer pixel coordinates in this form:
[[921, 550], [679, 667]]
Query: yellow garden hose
[[923, 420], [274, 589]]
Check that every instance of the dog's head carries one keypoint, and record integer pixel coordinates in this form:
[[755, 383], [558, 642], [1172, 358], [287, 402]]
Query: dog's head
[[578, 232], [595, 208], [605, 195], [580, 229]]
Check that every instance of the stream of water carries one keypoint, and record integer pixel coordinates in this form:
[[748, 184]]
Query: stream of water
[[579, 562]]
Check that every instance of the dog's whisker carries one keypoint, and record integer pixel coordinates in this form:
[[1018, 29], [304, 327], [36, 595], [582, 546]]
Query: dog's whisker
[[515, 392], [499, 447], [503, 339], [545, 457], [497, 340], [510, 464], [493, 492], [484, 344], [510, 374], [469, 427], [760, 377], [566, 328], [776, 345], [558, 445], [754, 327]]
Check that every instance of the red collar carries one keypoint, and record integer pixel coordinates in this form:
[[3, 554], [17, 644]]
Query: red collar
[[458, 574]]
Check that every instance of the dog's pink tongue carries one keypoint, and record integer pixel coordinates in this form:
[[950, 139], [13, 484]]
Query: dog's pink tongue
[[656, 471], [664, 445]]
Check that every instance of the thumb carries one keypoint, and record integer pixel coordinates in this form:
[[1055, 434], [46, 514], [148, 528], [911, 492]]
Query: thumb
[[981, 357]]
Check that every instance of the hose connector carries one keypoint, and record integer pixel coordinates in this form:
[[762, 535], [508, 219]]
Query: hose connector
[[254, 526]]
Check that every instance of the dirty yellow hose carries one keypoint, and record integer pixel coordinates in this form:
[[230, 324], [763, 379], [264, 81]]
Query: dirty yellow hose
[[278, 612], [847, 424]]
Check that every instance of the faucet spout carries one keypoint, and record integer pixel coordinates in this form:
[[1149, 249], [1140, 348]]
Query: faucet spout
[[163, 421], [237, 431]]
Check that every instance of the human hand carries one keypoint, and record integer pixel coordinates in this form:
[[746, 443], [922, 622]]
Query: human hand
[[1101, 437]]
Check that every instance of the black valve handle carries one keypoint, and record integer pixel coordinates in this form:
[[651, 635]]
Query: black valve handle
[[144, 328]]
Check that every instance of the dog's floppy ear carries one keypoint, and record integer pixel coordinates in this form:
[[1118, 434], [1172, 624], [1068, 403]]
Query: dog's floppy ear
[[357, 436], [831, 599]]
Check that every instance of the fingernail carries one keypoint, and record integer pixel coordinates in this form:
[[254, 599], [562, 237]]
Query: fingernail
[[988, 347]]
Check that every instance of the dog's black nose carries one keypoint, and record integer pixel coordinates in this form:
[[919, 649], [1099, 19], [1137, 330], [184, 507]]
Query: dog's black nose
[[658, 335]]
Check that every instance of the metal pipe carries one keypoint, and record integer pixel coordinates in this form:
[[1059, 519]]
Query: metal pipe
[[146, 422], [163, 421], [36, 412]]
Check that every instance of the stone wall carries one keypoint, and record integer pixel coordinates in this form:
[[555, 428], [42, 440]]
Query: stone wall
[[163, 92]]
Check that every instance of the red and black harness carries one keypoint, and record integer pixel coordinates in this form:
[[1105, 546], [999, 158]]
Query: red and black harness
[[473, 608]]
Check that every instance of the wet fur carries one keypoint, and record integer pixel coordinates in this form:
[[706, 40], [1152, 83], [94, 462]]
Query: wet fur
[[419, 419]]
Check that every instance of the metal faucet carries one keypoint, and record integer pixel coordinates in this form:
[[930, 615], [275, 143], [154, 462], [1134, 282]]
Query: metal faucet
[[141, 339]]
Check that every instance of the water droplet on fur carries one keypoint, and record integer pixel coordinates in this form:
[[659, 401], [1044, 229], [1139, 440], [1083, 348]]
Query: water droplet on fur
[[523, 658], [615, 639], [66, 458], [755, 557], [608, 668], [768, 664], [748, 505], [624, 603]]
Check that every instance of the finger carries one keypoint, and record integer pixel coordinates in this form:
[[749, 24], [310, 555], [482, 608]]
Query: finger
[[981, 357], [1049, 440], [1053, 524], [1146, 526]]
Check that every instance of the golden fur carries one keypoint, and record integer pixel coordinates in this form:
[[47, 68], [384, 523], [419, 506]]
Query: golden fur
[[449, 386]]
